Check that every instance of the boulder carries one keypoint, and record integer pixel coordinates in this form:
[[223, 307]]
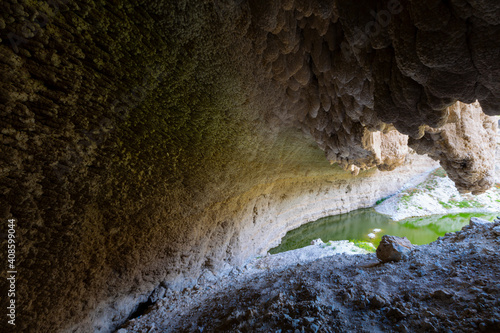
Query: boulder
[[393, 248], [478, 222]]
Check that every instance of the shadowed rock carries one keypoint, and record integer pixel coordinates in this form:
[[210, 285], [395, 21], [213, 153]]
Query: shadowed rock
[[393, 248], [150, 141]]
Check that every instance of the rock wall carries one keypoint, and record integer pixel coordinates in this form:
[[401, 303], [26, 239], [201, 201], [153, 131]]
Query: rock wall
[[141, 140], [346, 67], [287, 204], [465, 147]]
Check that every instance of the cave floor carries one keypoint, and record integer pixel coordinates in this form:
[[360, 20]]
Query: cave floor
[[450, 285]]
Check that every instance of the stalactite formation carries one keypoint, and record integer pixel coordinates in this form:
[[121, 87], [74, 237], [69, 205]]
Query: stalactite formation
[[146, 142]]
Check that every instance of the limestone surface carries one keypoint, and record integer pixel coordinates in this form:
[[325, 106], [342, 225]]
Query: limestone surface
[[147, 142], [450, 284], [465, 147]]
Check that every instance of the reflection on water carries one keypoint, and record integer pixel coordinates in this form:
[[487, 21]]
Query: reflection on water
[[359, 223]]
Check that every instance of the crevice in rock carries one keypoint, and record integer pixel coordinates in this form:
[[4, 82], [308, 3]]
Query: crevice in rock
[[141, 309]]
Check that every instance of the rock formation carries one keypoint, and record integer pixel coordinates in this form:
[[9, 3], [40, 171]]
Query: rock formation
[[314, 291], [352, 68], [393, 248], [149, 141], [465, 147]]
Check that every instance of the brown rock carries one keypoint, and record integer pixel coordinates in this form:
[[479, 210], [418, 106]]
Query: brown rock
[[465, 147], [393, 248], [120, 140], [442, 294]]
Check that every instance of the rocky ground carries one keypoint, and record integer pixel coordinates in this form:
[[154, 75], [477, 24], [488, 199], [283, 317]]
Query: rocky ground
[[450, 285], [437, 194]]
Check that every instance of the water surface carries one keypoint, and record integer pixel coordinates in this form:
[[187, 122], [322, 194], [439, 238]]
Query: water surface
[[359, 223]]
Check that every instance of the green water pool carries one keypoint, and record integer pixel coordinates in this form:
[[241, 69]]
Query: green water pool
[[357, 224]]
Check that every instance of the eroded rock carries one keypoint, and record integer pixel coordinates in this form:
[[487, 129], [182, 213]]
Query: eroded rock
[[465, 147], [136, 138], [478, 222], [361, 71], [393, 248]]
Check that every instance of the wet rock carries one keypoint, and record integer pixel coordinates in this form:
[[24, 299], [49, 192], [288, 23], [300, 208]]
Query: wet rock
[[393, 248], [402, 328]]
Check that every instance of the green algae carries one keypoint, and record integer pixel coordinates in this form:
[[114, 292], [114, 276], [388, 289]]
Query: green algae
[[358, 224]]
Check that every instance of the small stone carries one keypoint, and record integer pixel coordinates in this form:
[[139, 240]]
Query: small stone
[[393, 248], [317, 242], [377, 302], [496, 230], [442, 294], [396, 313], [402, 328], [436, 266], [157, 294], [309, 319], [207, 277], [122, 330]]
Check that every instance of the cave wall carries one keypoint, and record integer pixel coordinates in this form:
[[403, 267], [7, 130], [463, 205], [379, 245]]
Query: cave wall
[[139, 138], [227, 233]]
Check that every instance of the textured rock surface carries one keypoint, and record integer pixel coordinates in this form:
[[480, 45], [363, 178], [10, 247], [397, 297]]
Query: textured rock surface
[[465, 147], [393, 248], [346, 67], [141, 140], [452, 284]]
